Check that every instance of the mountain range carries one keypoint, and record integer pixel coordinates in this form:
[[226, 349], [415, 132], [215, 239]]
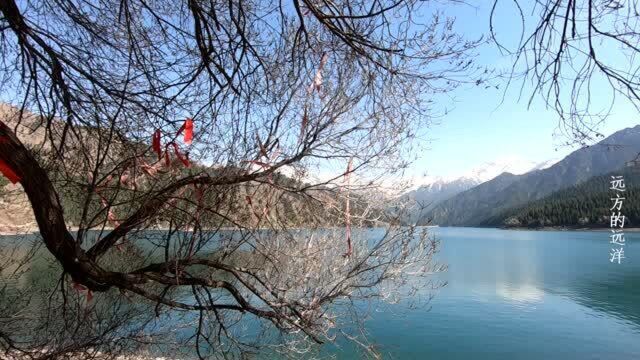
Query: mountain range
[[435, 190], [475, 205], [586, 204]]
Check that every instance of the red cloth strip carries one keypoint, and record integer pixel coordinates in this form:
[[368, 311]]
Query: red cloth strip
[[187, 127], [81, 288], [188, 131], [347, 211], [184, 160], [8, 172], [156, 143]]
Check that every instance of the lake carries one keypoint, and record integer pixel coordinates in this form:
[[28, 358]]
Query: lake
[[518, 295], [522, 295]]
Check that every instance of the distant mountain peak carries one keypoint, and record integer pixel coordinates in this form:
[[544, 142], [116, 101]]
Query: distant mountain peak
[[546, 164], [515, 165], [512, 164], [488, 200]]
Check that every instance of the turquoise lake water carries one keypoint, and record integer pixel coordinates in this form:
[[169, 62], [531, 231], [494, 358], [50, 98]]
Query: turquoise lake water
[[521, 295], [518, 295]]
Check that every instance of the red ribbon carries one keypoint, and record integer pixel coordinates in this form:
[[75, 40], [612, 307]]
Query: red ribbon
[[347, 174], [80, 288], [156, 143], [8, 172], [184, 159], [347, 211], [188, 131], [187, 127], [317, 80]]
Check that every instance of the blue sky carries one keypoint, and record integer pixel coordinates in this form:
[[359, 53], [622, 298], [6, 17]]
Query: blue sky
[[481, 127]]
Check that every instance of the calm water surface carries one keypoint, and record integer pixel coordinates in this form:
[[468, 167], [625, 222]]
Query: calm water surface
[[522, 295], [519, 295]]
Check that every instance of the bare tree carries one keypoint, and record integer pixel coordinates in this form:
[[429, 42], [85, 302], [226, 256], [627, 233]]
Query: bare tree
[[199, 116], [580, 56]]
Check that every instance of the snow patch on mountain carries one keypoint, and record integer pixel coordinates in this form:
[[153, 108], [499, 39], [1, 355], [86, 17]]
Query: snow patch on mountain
[[512, 164]]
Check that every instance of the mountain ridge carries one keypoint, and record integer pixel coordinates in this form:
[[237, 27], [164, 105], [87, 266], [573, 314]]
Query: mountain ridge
[[438, 189], [585, 204], [475, 205]]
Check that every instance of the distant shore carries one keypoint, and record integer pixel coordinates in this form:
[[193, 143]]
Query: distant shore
[[27, 230], [11, 355], [569, 228]]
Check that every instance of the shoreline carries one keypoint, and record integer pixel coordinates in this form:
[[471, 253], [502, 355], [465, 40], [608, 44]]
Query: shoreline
[[563, 228], [30, 230]]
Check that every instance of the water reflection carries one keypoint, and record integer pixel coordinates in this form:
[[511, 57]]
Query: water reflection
[[520, 293], [512, 294], [524, 266], [614, 295]]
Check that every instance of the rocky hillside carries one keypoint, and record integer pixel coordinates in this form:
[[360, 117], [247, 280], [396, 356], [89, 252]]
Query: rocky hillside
[[250, 204], [15, 211]]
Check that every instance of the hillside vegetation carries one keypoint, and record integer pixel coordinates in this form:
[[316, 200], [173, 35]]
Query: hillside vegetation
[[251, 205], [585, 205]]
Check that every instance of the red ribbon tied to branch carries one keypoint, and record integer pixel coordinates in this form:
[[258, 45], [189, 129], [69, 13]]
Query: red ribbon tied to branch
[[187, 127], [8, 172], [184, 159], [347, 211], [155, 143], [81, 288], [317, 80]]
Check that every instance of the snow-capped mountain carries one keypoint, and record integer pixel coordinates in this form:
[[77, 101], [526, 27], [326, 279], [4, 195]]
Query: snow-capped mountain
[[433, 190], [546, 164], [486, 202], [511, 164], [425, 197]]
